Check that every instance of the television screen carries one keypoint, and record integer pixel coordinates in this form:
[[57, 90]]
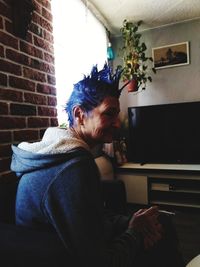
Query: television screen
[[168, 133]]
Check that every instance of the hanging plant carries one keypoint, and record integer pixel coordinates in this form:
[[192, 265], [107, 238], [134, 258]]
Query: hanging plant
[[135, 62]]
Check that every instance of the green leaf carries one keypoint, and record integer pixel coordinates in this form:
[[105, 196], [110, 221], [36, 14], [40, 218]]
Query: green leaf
[[154, 70], [138, 35], [135, 29], [145, 59], [143, 56], [144, 47], [63, 125]]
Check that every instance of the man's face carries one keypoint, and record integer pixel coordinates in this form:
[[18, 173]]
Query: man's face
[[101, 123]]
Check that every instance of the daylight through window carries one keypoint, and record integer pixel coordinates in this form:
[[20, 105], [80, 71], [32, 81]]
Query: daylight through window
[[79, 43]]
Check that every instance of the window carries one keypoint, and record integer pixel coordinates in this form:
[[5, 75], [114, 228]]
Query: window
[[80, 41]]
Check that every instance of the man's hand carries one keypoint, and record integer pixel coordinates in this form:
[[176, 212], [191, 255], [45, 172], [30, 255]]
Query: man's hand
[[146, 222]]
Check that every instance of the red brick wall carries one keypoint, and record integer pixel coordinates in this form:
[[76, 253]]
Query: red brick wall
[[27, 80]]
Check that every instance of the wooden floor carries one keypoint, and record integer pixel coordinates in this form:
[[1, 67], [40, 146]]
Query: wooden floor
[[188, 229]]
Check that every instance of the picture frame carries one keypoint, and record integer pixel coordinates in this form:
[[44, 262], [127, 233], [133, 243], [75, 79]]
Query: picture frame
[[171, 55]]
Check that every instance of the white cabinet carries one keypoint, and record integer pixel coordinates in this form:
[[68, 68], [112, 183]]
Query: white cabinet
[[136, 188], [162, 184]]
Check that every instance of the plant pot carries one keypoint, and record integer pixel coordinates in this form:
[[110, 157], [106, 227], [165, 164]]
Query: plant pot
[[132, 86]]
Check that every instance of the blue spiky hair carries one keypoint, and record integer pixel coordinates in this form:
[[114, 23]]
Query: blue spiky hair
[[103, 78], [91, 91]]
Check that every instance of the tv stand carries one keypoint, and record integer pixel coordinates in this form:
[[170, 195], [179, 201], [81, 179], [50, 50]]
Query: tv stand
[[162, 184]]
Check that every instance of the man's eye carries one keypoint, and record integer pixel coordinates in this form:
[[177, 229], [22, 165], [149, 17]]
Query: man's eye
[[111, 114]]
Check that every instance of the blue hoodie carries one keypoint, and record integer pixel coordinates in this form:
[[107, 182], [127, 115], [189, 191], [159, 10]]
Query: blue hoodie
[[60, 190]]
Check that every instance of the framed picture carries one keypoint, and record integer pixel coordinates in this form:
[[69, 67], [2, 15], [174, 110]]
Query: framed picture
[[171, 55]]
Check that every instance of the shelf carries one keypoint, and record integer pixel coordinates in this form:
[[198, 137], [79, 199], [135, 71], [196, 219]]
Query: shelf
[[178, 191], [174, 192], [158, 202], [166, 187], [167, 184], [167, 167]]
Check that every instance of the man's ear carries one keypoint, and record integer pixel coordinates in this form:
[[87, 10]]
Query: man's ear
[[78, 114]]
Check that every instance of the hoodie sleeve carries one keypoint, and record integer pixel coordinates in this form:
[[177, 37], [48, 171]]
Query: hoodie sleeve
[[72, 204]]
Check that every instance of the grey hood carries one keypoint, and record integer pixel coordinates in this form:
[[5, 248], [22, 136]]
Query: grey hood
[[57, 146], [55, 141]]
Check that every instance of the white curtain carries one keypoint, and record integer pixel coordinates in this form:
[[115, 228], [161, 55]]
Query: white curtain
[[80, 42]]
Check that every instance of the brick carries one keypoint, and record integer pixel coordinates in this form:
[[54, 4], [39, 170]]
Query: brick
[[1, 23], [8, 94], [23, 64], [48, 68], [45, 3], [38, 122], [5, 164], [10, 67], [5, 137], [8, 26], [4, 108], [3, 79], [34, 75], [51, 79], [53, 122], [39, 42], [46, 89], [21, 109], [5, 10], [12, 123], [31, 50], [46, 111], [42, 131], [8, 40], [46, 14], [26, 135], [48, 36], [29, 37], [37, 7], [36, 29], [37, 19], [5, 150], [2, 51], [52, 101], [21, 83], [49, 58], [35, 99], [35, 63], [18, 57]]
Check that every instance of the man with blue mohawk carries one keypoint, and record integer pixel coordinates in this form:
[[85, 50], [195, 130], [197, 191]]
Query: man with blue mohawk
[[59, 187]]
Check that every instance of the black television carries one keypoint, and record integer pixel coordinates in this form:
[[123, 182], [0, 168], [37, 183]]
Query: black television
[[168, 133]]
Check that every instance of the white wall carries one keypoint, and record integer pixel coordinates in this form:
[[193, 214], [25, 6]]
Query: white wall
[[169, 85]]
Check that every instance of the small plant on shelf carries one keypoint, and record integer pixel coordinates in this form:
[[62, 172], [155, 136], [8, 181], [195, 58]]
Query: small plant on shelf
[[135, 69]]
